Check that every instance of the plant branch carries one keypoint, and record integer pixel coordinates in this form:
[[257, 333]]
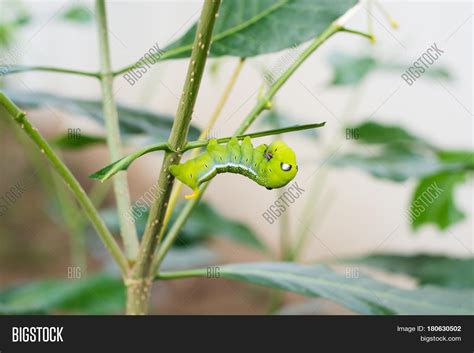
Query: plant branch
[[22, 68], [20, 118], [122, 195], [141, 270]]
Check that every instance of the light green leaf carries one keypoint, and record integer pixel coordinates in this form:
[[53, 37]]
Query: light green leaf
[[247, 28], [441, 271], [436, 207], [78, 14], [351, 69], [98, 294]]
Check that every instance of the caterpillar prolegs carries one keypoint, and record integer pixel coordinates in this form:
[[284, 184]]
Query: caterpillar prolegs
[[272, 166]]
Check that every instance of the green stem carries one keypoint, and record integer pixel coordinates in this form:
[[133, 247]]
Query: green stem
[[198, 272], [176, 229], [369, 36], [106, 237], [263, 104], [122, 195], [142, 273], [19, 69]]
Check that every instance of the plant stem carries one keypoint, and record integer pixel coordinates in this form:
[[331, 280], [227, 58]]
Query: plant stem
[[263, 103], [198, 272], [212, 120], [19, 69], [141, 276], [106, 237], [122, 195]]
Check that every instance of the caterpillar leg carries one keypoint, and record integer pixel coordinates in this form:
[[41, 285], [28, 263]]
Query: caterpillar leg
[[193, 195]]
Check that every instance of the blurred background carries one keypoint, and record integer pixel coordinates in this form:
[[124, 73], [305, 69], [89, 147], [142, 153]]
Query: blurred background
[[358, 203]]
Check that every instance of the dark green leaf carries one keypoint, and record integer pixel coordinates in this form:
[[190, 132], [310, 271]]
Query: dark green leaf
[[371, 132], [400, 154], [433, 201], [98, 294], [83, 140], [133, 122], [436, 270], [363, 294], [393, 164], [78, 14], [247, 28]]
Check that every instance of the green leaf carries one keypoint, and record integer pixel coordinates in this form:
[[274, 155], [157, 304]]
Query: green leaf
[[371, 132], [393, 164], [247, 28], [78, 14], [133, 122], [433, 201], [362, 295], [400, 154], [436, 270], [98, 294], [457, 156], [351, 69], [65, 141]]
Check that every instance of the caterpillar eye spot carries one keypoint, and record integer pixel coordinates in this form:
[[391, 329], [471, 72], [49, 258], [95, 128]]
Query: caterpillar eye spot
[[286, 167]]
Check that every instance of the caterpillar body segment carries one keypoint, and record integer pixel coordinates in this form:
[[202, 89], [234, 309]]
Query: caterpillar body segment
[[271, 166]]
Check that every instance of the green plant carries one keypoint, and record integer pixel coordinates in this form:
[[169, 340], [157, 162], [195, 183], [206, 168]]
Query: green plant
[[141, 260]]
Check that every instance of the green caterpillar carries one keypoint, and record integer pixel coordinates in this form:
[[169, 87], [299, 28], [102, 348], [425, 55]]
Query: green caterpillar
[[272, 166]]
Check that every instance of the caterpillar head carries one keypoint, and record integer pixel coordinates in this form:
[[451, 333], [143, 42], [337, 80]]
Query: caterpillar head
[[282, 165]]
